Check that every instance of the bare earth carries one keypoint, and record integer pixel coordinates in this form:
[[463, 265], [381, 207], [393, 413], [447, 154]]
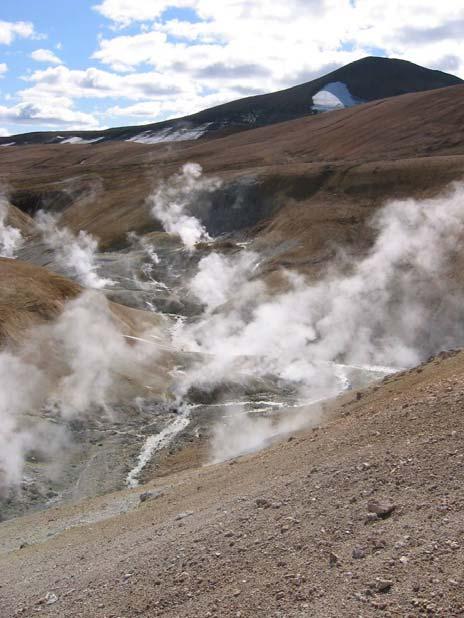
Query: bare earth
[[285, 532]]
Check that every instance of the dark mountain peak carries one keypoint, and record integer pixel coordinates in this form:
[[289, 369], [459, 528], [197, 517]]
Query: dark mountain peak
[[375, 77]]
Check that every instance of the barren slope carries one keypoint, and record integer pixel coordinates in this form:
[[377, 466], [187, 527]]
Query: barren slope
[[286, 532], [30, 295], [406, 145]]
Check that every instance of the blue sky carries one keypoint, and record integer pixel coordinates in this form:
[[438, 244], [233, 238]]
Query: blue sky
[[73, 65]]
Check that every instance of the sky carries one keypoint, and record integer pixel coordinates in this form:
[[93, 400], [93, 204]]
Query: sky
[[91, 64]]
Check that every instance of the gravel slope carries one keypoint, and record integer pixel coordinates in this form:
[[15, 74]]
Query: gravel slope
[[287, 532]]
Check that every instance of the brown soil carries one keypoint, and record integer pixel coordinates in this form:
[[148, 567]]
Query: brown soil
[[285, 532], [406, 145], [31, 295]]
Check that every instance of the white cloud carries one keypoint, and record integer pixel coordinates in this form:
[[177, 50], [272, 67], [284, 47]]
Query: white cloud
[[54, 114], [124, 12], [4, 132], [145, 109], [9, 31], [3, 69], [95, 83], [45, 55], [295, 37], [170, 107], [292, 37]]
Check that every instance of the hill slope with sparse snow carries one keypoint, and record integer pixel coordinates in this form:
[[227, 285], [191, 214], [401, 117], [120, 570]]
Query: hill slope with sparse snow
[[364, 80]]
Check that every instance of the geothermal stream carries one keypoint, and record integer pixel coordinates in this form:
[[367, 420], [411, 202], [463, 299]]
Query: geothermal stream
[[157, 442]]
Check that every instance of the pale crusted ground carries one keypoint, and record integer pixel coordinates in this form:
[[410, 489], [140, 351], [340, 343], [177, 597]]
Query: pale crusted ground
[[273, 534]]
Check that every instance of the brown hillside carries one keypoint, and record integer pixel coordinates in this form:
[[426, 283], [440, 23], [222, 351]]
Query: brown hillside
[[405, 145]]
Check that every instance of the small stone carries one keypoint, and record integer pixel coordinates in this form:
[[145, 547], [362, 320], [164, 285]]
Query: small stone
[[333, 559], [280, 595], [183, 515], [404, 560], [149, 495], [358, 553], [371, 517], [50, 598], [382, 509], [383, 585], [262, 503], [379, 605]]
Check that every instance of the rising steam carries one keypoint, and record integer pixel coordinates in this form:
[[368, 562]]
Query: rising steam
[[72, 368], [170, 203], [11, 239], [74, 253], [390, 309], [393, 308]]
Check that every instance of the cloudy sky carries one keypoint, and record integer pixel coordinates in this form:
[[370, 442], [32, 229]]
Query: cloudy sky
[[67, 64]]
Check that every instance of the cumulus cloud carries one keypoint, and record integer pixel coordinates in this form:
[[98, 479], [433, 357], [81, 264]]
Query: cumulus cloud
[[9, 31], [126, 11], [45, 55], [95, 83], [144, 109], [216, 45], [3, 68], [53, 114]]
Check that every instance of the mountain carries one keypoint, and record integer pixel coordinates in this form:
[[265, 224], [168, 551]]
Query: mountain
[[364, 80]]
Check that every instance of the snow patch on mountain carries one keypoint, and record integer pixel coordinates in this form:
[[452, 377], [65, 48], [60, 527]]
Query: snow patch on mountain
[[332, 96], [79, 140], [8, 144], [171, 134]]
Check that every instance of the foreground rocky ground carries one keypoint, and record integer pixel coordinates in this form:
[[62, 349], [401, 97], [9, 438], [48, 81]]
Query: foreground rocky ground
[[361, 516]]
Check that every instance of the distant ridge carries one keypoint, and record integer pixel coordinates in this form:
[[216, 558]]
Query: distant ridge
[[364, 80]]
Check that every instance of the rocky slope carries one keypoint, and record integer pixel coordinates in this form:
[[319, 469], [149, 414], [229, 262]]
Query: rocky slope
[[359, 516]]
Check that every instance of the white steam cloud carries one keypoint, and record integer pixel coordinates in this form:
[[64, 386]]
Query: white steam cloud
[[241, 433], [219, 276], [73, 368], [399, 303], [74, 253], [392, 308], [11, 239], [171, 201]]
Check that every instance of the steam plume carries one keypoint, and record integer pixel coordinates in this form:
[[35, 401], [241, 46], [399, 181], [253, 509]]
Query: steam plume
[[11, 239], [76, 253], [73, 368], [172, 200], [394, 307]]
